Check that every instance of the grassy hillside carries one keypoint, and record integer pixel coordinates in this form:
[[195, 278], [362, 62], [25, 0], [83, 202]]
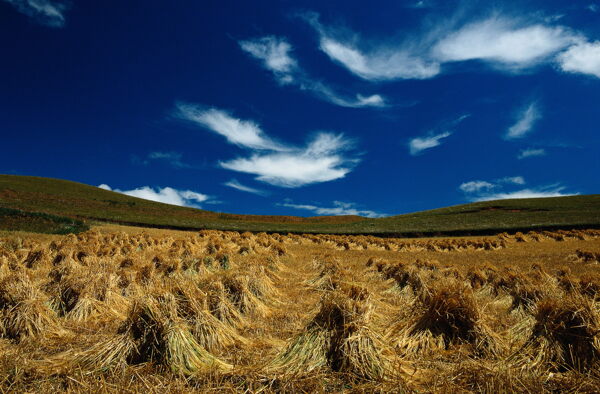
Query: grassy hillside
[[75, 200]]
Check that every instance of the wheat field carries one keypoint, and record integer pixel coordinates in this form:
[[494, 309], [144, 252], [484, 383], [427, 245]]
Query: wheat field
[[128, 309]]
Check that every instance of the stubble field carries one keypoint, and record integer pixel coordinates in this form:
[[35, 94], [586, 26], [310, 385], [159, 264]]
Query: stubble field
[[128, 309]]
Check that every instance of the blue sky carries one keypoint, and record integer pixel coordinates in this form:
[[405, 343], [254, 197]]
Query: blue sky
[[304, 108]]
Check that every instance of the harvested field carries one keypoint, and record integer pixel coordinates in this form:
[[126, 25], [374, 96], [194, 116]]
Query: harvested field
[[129, 309]]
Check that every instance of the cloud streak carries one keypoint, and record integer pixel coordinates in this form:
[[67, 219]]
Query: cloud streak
[[531, 152], [419, 144], [544, 192], [494, 190], [283, 165], [239, 132], [339, 208], [525, 122], [167, 195], [275, 55], [320, 161], [505, 42], [234, 184], [45, 12], [173, 158]]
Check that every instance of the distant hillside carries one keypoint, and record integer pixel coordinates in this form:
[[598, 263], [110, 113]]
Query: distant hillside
[[78, 201]]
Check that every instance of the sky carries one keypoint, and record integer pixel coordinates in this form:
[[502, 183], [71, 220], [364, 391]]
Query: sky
[[304, 108]]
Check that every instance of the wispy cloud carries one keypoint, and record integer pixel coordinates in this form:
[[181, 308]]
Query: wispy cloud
[[238, 186], [583, 58], [432, 139], [550, 191], [45, 12], [419, 144], [321, 160], [526, 119], [243, 133], [167, 195], [531, 152], [503, 41], [379, 62], [274, 52], [338, 208], [495, 190], [476, 186], [173, 158], [482, 186], [275, 55]]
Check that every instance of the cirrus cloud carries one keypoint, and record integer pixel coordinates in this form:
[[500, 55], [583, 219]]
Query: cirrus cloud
[[526, 119], [278, 164], [45, 12], [339, 208], [275, 55]]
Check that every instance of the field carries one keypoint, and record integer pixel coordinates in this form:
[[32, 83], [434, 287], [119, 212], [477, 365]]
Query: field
[[128, 309], [76, 201]]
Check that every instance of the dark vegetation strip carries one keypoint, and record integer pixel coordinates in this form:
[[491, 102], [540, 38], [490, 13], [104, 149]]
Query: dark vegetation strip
[[39, 222], [408, 234]]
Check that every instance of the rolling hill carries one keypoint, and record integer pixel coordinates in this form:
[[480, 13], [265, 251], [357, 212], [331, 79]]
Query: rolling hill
[[28, 199]]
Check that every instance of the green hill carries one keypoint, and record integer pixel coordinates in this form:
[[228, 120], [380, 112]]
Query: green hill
[[65, 202]]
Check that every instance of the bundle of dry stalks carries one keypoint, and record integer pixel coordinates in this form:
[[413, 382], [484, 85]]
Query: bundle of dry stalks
[[566, 335], [338, 338], [218, 302], [153, 333], [446, 315], [23, 310]]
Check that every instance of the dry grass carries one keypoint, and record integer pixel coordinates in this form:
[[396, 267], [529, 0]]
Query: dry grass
[[123, 309]]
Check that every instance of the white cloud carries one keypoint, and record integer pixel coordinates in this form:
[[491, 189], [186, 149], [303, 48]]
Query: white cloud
[[505, 41], [173, 158], [517, 180], [46, 12], [380, 63], [419, 144], [339, 208], [320, 161], [167, 195], [495, 190], [525, 121], [243, 133], [483, 186], [593, 7], [531, 152], [476, 186], [238, 186], [556, 191], [275, 54], [581, 58], [508, 43]]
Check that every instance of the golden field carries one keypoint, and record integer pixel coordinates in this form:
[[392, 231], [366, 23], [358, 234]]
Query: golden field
[[128, 309]]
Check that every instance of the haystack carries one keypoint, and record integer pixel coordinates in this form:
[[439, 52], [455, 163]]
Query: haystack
[[23, 310], [338, 338], [566, 334], [445, 316], [153, 333]]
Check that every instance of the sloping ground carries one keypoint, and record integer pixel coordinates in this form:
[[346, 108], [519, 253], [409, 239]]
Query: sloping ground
[[75, 200], [36, 222]]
